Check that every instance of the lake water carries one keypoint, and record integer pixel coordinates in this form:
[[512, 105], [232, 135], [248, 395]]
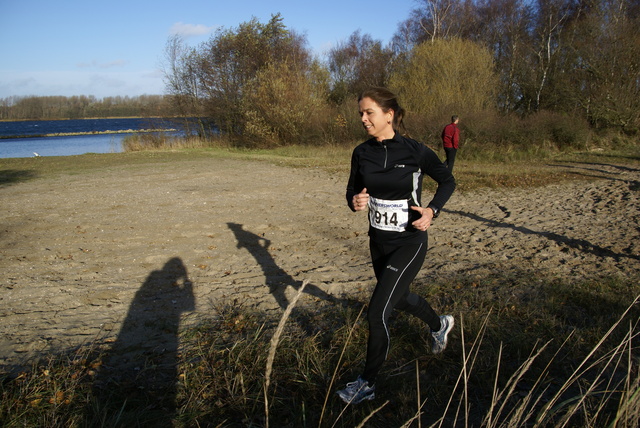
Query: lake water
[[32, 140], [61, 146]]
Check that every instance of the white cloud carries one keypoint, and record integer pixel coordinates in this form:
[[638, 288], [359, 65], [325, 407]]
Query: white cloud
[[69, 83], [189, 30], [24, 83], [116, 63], [94, 63]]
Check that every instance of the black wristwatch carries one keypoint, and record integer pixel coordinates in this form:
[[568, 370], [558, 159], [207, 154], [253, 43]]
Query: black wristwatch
[[436, 211]]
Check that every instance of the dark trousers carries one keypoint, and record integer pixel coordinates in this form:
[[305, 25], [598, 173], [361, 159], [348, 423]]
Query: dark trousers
[[450, 152], [395, 268]]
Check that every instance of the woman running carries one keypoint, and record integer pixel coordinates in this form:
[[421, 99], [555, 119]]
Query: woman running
[[386, 179]]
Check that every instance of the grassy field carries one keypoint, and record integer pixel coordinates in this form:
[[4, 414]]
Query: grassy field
[[242, 369]]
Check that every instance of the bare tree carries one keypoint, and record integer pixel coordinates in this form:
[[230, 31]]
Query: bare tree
[[552, 18], [436, 17], [356, 64], [606, 72], [180, 76], [504, 26], [441, 19]]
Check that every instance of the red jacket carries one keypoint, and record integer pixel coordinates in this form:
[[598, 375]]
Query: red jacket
[[450, 136]]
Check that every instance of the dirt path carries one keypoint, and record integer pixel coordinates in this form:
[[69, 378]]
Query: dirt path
[[81, 255]]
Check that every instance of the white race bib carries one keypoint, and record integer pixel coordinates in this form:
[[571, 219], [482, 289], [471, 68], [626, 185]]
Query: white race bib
[[389, 215]]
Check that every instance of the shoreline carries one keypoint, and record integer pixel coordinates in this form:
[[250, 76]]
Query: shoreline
[[73, 134], [92, 118]]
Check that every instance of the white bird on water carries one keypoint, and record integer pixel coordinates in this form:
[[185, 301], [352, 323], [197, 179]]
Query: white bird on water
[[36, 154]]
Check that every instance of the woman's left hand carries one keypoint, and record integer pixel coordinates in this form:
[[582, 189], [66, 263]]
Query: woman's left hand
[[426, 215]]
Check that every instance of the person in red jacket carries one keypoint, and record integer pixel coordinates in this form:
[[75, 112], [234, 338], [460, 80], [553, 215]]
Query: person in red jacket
[[450, 140]]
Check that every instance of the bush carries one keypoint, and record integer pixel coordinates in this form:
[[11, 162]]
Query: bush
[[562, 131], [139, 142], [284, 106], [446, 77], [535, 134]]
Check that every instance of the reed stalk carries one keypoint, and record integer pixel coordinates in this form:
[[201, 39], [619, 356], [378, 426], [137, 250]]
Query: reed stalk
[[274, 346], [335, 371], [550, 408]]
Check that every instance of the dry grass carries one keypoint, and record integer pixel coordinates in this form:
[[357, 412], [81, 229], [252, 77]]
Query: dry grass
[[241, 368]]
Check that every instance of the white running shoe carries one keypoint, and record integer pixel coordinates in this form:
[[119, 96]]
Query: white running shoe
[[357, 391], [440, 336]]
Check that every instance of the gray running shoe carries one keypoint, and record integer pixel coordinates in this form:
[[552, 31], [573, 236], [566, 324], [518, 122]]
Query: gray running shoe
[[440, 336], [357, 391]]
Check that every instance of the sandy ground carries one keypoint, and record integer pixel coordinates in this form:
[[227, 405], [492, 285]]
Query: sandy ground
[[136, 253]]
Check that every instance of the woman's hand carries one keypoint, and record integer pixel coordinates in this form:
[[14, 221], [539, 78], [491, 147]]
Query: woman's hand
[[426, 215], [361, 200]]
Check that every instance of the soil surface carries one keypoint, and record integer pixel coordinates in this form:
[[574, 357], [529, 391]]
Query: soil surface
[[123, 254]]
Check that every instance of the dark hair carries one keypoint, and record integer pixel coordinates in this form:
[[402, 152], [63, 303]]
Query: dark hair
[[454, 118], [387, 100]]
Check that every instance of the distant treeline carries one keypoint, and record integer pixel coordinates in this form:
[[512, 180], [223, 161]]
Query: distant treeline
[[84, 106]]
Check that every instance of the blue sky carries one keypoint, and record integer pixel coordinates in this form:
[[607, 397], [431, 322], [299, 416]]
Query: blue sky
[[111, 48]]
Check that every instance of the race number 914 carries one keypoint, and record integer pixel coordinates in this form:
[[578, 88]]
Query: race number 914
[[388, 215], [386, 218]]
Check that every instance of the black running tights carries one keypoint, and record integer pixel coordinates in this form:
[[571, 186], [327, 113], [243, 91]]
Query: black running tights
[[395, 268]]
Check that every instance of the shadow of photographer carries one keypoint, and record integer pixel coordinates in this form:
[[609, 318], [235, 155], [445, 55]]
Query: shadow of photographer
[[139, 372]]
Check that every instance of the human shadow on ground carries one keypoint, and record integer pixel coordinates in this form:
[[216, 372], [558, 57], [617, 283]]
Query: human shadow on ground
[[578, 244], [139, 372], [594, 165], [14, 176], [276, 278], [608, 171]]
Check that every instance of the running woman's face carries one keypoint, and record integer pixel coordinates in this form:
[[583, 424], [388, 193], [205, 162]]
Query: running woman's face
[[377, 123]]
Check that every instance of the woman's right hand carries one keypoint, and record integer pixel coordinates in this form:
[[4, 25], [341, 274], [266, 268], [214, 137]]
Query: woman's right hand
[[361, 200]]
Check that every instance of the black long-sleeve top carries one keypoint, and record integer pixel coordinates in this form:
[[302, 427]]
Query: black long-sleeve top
[[393, 170]]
